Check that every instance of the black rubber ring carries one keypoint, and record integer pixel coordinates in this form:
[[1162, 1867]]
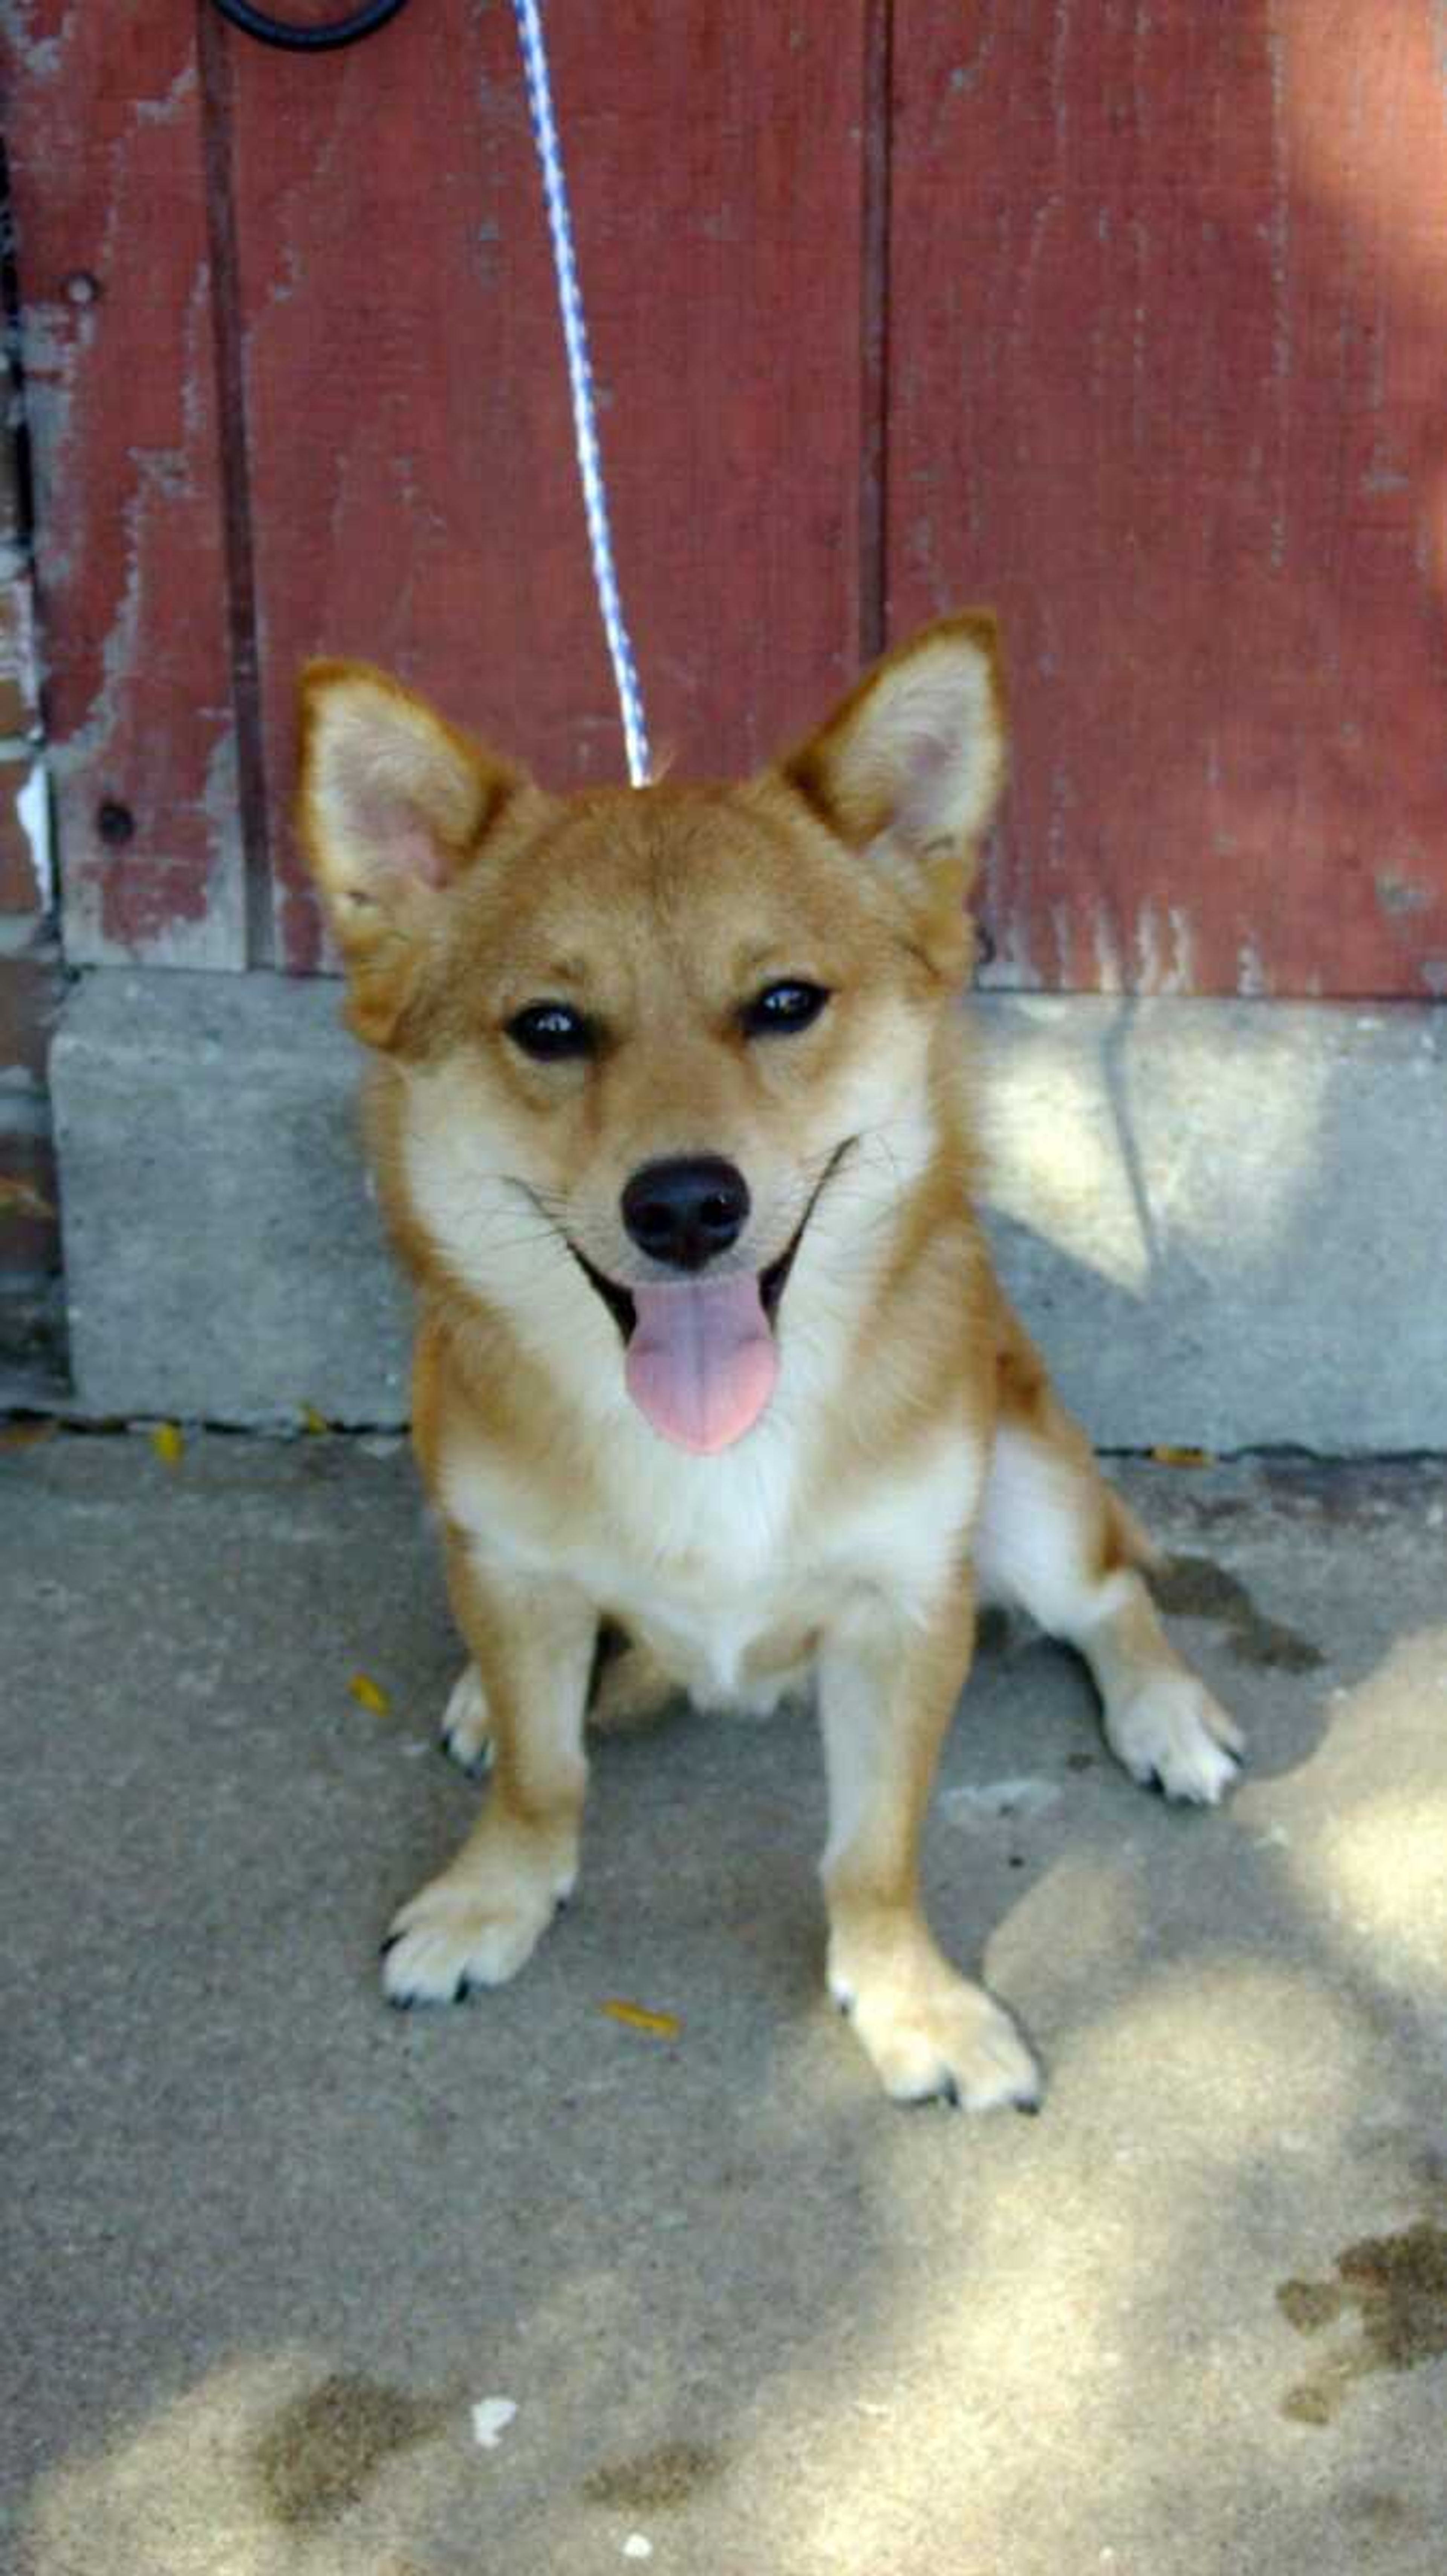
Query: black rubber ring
[[303, 39]]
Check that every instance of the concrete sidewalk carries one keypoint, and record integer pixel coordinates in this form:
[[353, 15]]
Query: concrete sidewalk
[[270, 2244]]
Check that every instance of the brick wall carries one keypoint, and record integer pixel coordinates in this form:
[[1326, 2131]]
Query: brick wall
[[30, 972]]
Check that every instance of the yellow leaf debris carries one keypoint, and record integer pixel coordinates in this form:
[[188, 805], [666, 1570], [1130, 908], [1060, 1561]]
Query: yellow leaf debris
[[311, 1420], [1167, 1456], [658, 2025], [168, 1444], [369, 1694]]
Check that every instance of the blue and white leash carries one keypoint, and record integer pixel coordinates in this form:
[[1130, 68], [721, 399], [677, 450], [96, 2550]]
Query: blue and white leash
[[580, 382]]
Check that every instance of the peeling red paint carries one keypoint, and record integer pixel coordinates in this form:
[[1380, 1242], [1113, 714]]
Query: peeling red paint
[[143, 908], [105, 165]]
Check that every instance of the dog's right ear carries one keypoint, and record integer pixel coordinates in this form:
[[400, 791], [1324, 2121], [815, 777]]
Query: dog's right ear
[[393, 806]]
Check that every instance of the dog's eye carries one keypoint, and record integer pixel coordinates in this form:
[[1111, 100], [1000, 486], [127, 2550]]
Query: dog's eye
[[781, 1009], [547, 1030]]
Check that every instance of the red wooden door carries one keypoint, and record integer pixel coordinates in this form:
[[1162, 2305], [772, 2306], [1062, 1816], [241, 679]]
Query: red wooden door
[[1169, 367], [412, 488], [1126, 318], [352, 247]]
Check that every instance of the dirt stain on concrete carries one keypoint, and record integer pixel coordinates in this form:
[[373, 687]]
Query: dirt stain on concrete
[[320, 2454], [1195, 1587], [670, 2475], [1397, 2286], [1376, 2506]]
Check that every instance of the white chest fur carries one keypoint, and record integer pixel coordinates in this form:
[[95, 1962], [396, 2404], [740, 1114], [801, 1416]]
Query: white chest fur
[[715, 1561]]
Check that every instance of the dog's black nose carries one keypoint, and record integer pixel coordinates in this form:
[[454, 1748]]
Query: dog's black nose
[[686, 1211]]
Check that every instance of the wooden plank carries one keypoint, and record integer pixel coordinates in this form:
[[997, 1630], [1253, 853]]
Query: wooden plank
[[414, 492], [1166, 367], [105, 139]]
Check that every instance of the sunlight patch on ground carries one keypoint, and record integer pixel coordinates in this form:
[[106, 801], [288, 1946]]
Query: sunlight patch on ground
[[1085, 2277], [1371, 1859], [270, 2465], [173, 2495]]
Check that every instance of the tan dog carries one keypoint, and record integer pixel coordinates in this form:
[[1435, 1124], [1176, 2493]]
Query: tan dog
[[671, 1115]]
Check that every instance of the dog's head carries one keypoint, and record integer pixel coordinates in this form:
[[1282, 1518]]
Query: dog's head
[[640, 1037]]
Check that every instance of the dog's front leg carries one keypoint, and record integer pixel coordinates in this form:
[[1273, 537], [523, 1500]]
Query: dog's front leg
[[475, 1925], [886, 1693]]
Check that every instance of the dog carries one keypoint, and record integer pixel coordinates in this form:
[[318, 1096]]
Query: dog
[[671, 1113]]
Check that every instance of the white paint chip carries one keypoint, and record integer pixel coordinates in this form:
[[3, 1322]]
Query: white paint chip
[[33, 807], [491, 2417], [635, 2546]]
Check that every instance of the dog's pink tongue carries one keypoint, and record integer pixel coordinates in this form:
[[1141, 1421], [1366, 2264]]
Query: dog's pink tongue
[[701, 1360]]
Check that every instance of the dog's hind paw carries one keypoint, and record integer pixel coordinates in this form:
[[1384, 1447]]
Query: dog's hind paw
[[466, 1734], [1171, 1734]]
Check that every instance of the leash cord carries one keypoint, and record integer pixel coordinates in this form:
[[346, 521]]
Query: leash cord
[[580, 385]]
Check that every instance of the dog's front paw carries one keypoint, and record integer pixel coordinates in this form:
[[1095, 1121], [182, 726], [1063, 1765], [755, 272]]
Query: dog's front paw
[[466, 1733], [468, 1928], [931, 2036], [1173, 1735]]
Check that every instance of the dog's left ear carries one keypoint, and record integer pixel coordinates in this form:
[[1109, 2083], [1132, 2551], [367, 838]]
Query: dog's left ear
[[911, 766]]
